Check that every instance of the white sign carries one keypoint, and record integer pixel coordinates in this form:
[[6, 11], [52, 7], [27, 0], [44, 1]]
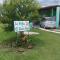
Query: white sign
[[21, 26]]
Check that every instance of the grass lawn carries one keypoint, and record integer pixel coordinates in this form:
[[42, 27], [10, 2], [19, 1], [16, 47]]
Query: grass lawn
[[47, 47]]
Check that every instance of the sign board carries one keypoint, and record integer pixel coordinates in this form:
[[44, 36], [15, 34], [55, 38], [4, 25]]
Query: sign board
[[21, 26]]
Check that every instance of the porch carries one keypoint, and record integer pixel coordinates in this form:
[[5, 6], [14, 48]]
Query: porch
[[52, 11]]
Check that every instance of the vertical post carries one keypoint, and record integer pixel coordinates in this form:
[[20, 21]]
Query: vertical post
[[17, 38], [57, 16], [52, 12], [28, 35]]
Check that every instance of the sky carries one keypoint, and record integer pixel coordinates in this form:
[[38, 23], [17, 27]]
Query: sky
[[43, 2], [1, 1], [46, 0], [49, 2]]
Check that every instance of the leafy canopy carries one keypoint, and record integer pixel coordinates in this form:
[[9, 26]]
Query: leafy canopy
[[20, 9]]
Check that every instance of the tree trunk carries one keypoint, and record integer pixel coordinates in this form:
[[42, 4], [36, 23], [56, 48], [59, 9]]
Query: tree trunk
[[23, 38]]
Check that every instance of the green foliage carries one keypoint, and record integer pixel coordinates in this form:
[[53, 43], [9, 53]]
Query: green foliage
[[1, 27], [19, 10], [46, 47]]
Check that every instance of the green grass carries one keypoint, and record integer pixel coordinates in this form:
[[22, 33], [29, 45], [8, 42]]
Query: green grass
[[5, 35], [46, 47]]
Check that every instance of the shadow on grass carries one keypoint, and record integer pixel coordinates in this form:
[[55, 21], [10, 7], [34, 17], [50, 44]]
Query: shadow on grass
[[36, 41], [11, 42]]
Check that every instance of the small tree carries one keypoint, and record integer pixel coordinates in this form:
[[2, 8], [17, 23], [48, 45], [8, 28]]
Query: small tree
[[19, 10]]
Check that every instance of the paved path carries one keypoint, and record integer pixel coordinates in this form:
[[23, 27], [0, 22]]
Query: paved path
[[54, 31], [31, 33]]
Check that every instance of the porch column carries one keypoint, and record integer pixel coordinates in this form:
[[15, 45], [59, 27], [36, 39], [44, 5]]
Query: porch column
[[57, 16], [52, 12]]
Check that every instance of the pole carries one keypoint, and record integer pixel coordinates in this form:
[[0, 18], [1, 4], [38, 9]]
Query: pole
[[57, 16], [28, 35], [17, 38], [52, 12]]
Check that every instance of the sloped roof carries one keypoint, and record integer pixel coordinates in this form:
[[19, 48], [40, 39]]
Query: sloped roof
[[46, 3]]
